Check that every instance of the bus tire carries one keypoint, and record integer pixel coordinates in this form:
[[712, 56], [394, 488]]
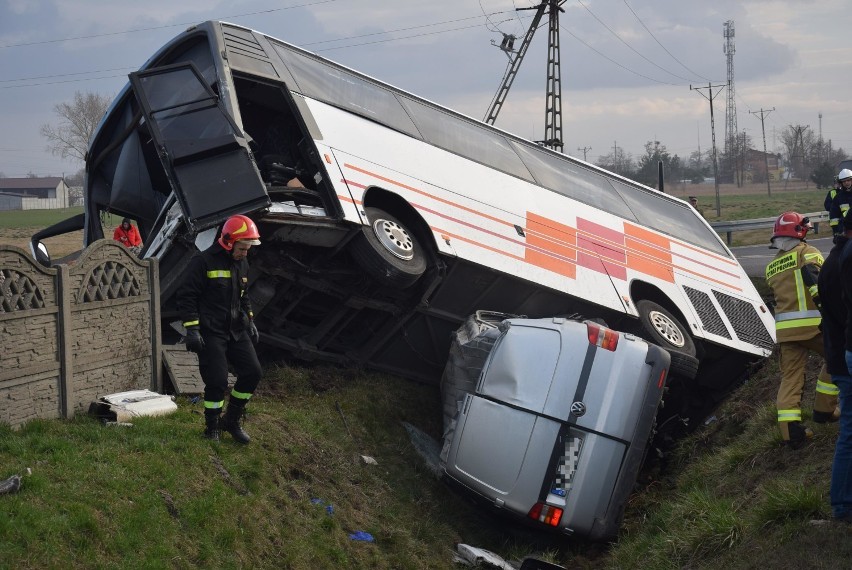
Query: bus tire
[[661, 327], [387, 251], [683, 365]]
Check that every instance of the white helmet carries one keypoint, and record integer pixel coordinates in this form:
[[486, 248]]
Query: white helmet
[[844, 174]]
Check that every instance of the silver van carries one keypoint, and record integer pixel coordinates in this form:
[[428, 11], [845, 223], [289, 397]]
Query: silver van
[[558, 424]]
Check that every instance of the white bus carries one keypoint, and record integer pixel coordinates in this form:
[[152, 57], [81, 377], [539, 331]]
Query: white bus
[[407, 217]]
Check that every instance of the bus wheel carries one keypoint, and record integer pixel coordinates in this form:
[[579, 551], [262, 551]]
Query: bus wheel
[[388, 251], [683, 365], [662, 328]]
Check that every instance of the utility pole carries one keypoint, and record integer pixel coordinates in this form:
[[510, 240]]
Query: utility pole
[[615, 157], [710, 95], [763, 113], [553, 96], [584, 150]]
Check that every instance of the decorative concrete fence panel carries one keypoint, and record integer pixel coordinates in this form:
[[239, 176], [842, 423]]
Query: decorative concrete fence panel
[[30, 369], [76, 332]]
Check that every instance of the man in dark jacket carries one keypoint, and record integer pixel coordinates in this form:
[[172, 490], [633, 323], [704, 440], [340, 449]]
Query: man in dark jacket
[[839, 306], [219, 325]]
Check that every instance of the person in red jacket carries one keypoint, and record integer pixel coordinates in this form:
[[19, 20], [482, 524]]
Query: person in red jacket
[[127, 234]]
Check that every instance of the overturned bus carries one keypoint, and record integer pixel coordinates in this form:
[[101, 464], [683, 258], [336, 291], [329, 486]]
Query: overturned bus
[[388, 219]]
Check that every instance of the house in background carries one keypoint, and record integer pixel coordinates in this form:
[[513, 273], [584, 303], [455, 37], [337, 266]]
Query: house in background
[[33, 193]]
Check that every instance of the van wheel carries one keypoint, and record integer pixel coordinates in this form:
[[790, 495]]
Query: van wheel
[[661, 327], [388, 251]]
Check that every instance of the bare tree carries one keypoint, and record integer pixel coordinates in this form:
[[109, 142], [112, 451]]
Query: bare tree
[[799, 141], [78, 120]]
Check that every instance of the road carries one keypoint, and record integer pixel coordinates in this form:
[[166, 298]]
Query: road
[[754, 258]]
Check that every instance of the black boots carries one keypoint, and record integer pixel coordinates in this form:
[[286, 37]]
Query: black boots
[[799, 435], [211, 420], [231, 421], [825, 417]]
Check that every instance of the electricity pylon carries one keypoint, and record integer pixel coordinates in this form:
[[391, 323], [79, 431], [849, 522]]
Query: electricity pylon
[[553, 97]]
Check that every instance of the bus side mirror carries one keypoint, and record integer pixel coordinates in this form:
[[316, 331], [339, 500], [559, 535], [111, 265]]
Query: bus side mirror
[[40, 253]]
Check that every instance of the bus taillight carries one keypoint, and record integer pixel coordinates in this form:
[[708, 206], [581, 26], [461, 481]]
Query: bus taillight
[[602, 336], [547, 514]]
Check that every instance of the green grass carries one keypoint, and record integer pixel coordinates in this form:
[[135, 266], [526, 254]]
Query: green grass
[[750, 206], [36, 218], [158, 495]]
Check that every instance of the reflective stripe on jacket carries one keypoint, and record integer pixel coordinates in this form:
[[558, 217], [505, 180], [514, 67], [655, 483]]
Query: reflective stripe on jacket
[[796, 315], [213, 292]]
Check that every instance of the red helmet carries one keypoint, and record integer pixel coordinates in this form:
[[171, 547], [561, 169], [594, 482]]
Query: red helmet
[[238, 228], [791, 224]]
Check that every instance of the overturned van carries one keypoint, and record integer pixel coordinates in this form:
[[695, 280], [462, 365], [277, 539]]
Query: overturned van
[[558, 423], [387, 219]]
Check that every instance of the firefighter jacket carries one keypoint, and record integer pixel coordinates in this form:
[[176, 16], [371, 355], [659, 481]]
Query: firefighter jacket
[[213, 293], [129, 238], [839, 206], [796, 314]]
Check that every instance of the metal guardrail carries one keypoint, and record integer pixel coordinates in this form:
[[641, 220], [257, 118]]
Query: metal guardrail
[[761, 223]]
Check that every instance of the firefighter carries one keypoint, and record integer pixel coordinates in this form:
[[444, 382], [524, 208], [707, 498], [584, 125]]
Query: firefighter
[[220, 325], [840, 202], [792, 276]]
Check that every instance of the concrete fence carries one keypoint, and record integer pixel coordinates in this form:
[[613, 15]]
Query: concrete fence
[[70, 334]]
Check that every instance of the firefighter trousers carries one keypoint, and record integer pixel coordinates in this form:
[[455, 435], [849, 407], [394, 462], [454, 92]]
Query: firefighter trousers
[[219, 351], [794, 357]]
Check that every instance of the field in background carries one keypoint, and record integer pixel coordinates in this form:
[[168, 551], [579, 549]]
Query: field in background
[[17, 226]]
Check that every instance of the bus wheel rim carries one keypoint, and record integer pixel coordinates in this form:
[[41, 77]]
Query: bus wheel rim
[[394, 238], [667, 329]]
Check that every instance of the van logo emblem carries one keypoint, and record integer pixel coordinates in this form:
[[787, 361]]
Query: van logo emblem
[[578, 409]]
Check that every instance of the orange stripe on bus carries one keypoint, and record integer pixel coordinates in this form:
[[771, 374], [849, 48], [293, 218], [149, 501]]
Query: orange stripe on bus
[[476, 243], [550, 252], [648, 252], [427, 194], [554, 237]]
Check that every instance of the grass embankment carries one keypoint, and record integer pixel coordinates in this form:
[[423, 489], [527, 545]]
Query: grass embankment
[[158, 495]]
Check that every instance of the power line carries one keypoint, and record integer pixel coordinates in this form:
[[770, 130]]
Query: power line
[[396, 39], [487, 19], [602, 23], [107, 34], [306, 44], [660, 44], [615, 62]]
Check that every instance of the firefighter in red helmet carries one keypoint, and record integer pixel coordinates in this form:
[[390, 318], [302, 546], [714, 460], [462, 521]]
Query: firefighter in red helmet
[[220, 325], [792, 276]]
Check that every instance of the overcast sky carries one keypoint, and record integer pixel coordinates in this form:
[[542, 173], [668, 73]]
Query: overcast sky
[[627, 65]]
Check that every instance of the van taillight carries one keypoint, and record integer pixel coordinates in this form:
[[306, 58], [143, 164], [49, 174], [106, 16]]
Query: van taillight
[[602, 336], [547, 514]]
